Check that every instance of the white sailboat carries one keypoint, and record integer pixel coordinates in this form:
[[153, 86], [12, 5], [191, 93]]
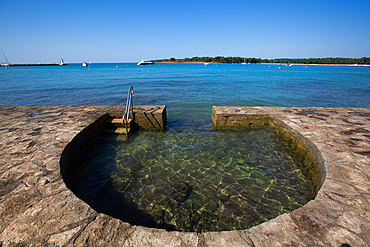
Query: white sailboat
[[6, 64], [244, 62], [84, 64]]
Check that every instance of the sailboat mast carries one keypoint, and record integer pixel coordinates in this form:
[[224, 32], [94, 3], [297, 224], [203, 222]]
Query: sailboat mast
[[83, 54], [6, 60]]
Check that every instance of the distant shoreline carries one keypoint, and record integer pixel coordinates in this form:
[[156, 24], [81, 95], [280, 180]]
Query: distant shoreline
[[337, 61], [282, 64], [321, 64]]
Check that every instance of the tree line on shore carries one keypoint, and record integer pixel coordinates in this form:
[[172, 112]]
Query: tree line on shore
[[219, 59]]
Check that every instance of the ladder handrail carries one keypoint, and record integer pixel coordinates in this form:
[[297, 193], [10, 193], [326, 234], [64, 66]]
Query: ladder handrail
[[129, 107]]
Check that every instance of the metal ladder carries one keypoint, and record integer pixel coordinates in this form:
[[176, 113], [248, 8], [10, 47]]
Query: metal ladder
[[129, 108]]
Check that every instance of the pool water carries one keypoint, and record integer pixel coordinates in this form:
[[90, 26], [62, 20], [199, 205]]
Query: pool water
[[192, 177]]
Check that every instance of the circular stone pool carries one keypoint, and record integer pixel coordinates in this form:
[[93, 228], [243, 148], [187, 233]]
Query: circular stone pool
[[192, 178]]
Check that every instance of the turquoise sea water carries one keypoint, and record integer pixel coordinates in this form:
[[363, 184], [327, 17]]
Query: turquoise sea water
[[188, 90], [190, 177]]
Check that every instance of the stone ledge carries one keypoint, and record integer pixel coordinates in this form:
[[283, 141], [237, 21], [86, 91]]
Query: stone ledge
[[37, 209], [307, 154], [145, 116]]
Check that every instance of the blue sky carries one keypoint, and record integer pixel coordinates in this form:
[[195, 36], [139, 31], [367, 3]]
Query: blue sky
[[126, 31]]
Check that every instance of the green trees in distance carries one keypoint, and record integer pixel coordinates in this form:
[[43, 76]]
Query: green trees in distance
[[219, 59]]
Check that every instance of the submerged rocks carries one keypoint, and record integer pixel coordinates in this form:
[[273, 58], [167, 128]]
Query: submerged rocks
[[35, 212], [180, 192]]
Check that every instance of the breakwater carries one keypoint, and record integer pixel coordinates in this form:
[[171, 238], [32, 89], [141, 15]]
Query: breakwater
[[36, 64]]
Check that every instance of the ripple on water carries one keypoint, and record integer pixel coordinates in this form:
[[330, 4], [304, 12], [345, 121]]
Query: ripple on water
[[193, 180]]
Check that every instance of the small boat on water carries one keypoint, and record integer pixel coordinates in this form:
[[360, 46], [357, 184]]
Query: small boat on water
[[145, 62], [84, 64]]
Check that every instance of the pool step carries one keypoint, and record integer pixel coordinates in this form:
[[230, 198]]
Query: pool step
[[116, 126], [117, 130]]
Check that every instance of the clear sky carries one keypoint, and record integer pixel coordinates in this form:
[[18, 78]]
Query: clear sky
[[41, 31]]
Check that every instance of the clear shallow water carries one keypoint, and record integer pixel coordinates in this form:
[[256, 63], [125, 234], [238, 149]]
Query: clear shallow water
[[188, 90], [239, 191], [192, 178]]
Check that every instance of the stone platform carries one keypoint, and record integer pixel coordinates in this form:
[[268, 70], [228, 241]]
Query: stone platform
[[37, 209]]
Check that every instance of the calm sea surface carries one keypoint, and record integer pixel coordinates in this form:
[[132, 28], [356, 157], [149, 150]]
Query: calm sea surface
[[188, 90], [190, 177]]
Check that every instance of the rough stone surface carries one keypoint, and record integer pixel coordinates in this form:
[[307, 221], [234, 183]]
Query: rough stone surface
[[36, 208]]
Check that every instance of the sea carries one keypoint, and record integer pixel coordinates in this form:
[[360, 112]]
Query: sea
[[188, 90], [189, 177]]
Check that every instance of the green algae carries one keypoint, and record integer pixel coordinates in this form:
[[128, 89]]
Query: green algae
[[211, 180], [195, 180]]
